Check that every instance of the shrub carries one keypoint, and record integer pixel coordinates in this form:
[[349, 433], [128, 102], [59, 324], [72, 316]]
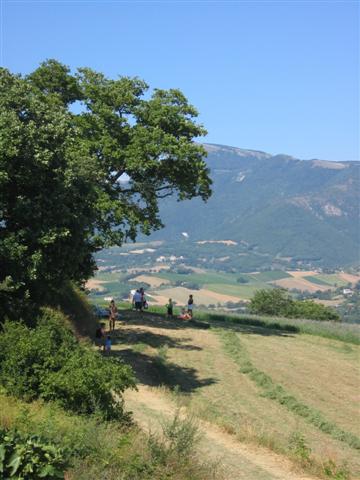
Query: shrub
[[278, 302], [271, 302], [26, 457], [87, 383], [49, 362]]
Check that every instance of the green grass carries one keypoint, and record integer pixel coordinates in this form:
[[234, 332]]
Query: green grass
[[202, 278], [317, 281], [345, 332], [270, 276], [332, 279], [239, 290], [108, 450], [278, 393]]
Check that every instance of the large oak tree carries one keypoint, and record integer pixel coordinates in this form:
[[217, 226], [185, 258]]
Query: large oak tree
[[84, 160]]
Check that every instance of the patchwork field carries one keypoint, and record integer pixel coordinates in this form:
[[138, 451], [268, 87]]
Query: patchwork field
[[300, 283], [165, 275], [180, 295]]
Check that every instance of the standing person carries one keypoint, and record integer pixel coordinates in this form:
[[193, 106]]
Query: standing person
[[112, 315], [99, 336], [144, 304], [137, 301], [190, 306], [169, 307], [108, 345]]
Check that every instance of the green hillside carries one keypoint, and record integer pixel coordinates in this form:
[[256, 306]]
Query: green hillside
[[275, 206]]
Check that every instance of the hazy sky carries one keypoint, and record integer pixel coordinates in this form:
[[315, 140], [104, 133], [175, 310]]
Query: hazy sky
[[275, 76]]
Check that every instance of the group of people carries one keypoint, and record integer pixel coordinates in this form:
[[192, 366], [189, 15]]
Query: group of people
[[186, 313], [139, 300], [103, 340]]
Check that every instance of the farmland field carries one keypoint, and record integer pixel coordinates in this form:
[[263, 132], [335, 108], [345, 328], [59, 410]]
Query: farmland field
[[164, 274]]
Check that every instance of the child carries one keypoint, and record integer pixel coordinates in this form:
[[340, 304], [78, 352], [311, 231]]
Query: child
[[108, 345], [169, 307]]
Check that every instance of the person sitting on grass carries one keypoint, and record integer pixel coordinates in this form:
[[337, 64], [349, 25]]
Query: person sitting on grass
[[169, 307], [184, 315]]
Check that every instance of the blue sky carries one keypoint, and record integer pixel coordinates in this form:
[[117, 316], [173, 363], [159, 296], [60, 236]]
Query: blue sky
[[275, 76]]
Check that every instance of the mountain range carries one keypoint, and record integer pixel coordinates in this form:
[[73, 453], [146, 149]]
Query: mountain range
[[290, 210]]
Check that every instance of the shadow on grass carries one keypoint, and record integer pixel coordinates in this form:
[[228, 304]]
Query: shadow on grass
[[159, 320], [242, 325], [130, 336], [157, 371]]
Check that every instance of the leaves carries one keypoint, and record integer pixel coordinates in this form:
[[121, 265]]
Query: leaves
[[26, 457], [72, 183]]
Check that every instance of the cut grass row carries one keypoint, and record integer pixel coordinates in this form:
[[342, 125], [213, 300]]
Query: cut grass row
[[349, 333], [276, 392]]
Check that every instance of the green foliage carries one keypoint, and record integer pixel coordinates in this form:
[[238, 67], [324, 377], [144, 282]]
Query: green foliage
[[60, 195], [278, 302], [299, 447], [26, 457], [179, 437], [271, 302], [48, 362]]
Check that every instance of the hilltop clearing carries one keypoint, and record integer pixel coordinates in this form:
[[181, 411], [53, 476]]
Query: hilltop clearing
[[269, 403]]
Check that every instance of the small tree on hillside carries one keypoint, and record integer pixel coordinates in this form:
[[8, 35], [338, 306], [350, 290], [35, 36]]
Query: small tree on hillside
[[271, 302]]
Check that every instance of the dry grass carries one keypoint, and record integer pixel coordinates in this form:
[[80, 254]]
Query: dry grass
[[202, 296], [300, 284], [321, 373], [150, 280]]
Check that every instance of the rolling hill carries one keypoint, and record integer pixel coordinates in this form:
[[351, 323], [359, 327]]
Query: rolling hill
[[304, 212]]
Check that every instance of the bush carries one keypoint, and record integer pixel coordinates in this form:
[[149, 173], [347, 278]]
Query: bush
[[25, 457], [277, 302], [48, 362], [271, 302], [87, 383]]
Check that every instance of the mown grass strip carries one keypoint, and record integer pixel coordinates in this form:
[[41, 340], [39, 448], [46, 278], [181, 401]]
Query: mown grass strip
[[239, 354], [349, 333]]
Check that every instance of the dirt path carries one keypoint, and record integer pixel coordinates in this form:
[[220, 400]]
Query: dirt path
[[236, 461], [151, 403]]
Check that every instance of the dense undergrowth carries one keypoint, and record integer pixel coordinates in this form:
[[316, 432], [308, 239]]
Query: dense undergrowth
[[94, 448], [61, 408]]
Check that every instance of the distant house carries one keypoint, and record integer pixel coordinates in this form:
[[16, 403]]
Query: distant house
[[347, 291]]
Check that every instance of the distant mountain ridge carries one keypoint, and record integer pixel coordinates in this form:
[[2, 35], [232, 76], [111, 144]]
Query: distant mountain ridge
[[282, 206]]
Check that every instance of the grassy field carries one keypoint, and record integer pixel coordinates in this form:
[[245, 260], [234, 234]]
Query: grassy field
[[293, 393], [240, 291]]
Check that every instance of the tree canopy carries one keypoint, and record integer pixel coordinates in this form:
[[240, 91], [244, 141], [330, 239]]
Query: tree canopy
[[278, 302], [84, 160]]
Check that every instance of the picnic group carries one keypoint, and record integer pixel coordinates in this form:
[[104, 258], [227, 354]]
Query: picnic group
[[139, 304]]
